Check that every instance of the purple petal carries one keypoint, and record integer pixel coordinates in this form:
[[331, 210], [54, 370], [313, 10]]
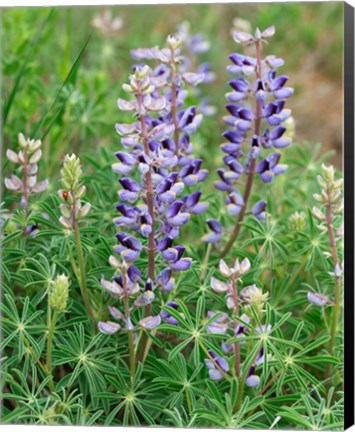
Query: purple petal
[[278, 82], [170, 254], [282, 142], [174, 209], [318, 299], [259, 207], [115, 313], [150, 322], [182, 265], [283, 93], [108, 327], [267, 176], [215, 374], [214, 225], [180, 219], [129, 184], [277, 132], [252, 381]]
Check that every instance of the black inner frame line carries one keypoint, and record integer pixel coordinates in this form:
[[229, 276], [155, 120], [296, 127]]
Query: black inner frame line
[[348, 155]]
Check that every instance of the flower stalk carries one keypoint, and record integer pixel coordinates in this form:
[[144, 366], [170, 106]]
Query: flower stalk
[[57, 304], [330, 204], [72, 211]]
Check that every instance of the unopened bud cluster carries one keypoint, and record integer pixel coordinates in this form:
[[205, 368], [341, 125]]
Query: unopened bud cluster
[[330, 196], [297, 221], [253, 296], [58, 293], [72, 192], [27, 158]]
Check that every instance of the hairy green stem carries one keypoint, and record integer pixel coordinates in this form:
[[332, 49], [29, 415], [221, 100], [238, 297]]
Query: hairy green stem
[[51, 327], [239, 400], [82, 282], [205, 262], [40, 364], [188, 400]]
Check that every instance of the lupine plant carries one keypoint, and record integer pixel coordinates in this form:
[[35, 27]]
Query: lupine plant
[[115, 311]]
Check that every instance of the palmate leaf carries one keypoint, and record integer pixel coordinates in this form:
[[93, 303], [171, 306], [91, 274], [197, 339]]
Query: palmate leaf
[[178, 417], [176, 350], [87, 357], [134, 397]]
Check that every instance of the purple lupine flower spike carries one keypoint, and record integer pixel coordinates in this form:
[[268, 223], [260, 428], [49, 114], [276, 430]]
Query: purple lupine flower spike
[[151, 206], [255, 123]]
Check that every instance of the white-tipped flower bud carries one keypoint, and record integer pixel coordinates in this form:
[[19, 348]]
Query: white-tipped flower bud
[[35, 145], [12, 156], [297, 222], [173, 43], [317, 213], [36, 156], [84, 210], [22, 140]]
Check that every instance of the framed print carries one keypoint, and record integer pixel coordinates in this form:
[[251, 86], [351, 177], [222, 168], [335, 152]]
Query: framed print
[[177, 215]]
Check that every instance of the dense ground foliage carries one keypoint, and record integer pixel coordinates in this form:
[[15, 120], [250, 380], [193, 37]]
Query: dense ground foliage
[[139, 285]]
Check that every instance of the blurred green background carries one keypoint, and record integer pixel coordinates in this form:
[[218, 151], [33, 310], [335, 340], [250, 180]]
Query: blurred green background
[[60, 86]]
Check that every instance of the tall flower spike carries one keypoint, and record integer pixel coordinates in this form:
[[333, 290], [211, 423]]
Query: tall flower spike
[[73, 190], [152, 209], [256, 131], [27, 158], [72, 212]]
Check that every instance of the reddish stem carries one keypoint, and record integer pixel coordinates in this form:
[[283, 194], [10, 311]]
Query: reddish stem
[[150, 204], [149, 199]]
